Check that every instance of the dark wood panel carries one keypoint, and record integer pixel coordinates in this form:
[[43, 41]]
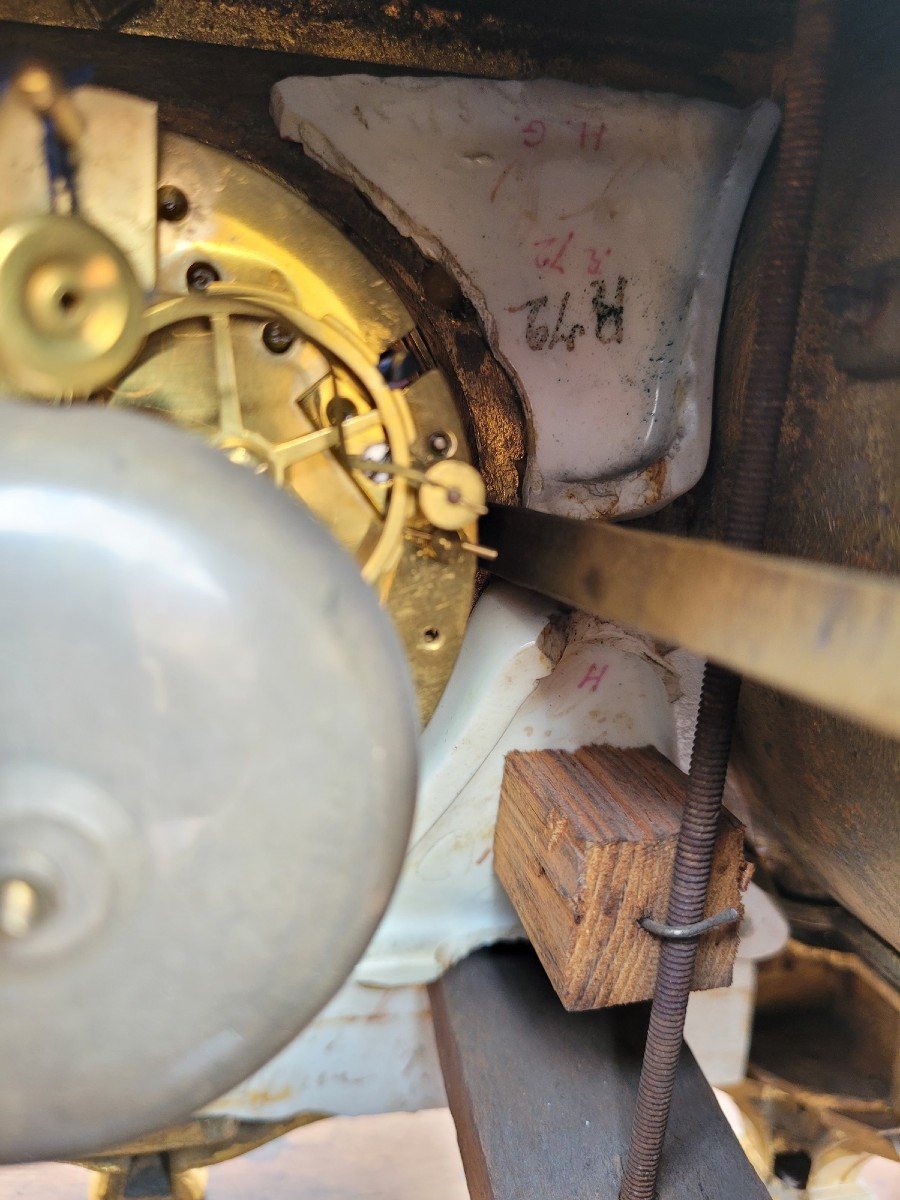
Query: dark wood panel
[[543, 1099], [720, 49]]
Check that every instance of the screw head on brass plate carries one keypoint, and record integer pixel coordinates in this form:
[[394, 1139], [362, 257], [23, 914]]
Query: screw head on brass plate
[[69, 307]]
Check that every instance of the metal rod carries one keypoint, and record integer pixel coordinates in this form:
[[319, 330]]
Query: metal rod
[[682, 933], [785, 264]]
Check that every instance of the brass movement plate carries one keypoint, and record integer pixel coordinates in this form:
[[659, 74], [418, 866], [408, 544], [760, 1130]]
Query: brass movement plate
[[273, 337]]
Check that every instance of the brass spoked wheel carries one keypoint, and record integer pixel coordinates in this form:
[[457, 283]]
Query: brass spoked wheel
[[380, 413], [249, 319]]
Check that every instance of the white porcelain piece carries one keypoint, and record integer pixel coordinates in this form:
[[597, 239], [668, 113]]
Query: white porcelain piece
[[592, 229]]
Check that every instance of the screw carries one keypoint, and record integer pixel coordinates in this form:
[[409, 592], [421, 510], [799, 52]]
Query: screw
[[171, 203], [440, 443], [20, 908], [200, 275], [276, 337]]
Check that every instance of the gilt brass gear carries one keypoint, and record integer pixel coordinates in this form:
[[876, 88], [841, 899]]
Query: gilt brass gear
[[299, 361], [270, 335], [383, 420], [70, 307]]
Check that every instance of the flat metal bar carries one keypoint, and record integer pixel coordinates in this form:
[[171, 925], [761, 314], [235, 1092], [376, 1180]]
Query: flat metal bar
[[829, 635], [307, 445], [542, 1098]]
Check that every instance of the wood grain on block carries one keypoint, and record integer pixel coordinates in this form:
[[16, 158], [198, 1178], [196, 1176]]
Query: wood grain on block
[[585, 846]]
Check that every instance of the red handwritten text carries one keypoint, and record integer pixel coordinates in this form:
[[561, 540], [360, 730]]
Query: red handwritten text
[[534, 133], [590, 134], [594, 676], [552, 258], [591, 138]]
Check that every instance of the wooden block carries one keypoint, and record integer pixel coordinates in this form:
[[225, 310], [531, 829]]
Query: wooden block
[[585, 846], [543, 1099]]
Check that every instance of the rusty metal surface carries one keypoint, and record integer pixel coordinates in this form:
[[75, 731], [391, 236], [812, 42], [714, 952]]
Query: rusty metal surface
[[821, 794]]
